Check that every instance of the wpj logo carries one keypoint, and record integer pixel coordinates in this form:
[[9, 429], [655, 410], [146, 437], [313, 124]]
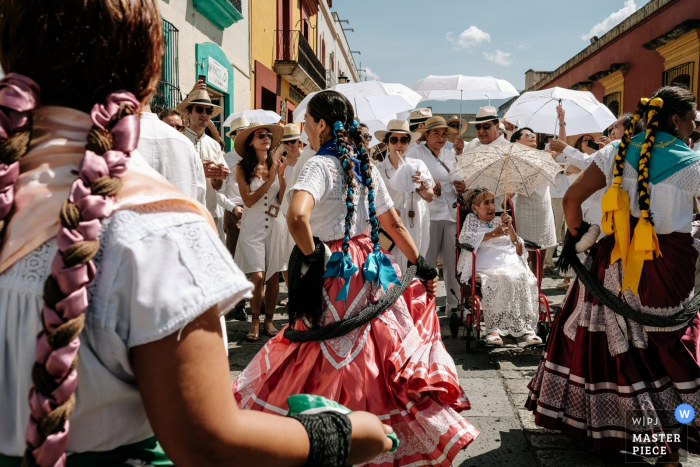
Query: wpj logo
[[653, 436]]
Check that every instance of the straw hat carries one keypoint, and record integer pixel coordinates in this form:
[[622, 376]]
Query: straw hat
[[291, 132], [214, 132], [241, 123], [486, 114], [276, 130], [420, 115], [456, 119], [572, 140], [434, 123], [198, 96], [396, 126]]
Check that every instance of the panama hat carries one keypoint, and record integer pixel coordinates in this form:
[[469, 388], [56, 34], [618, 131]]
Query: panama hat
[[434, 123], [276, 130], [463, 122], [573, 139], [198, 96], [486, 114], [396, 126], [241, 123], [291, 132], [420, 115]]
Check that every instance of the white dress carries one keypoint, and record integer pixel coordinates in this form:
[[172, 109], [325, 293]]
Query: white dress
[[156, 272], [419, 225], [510, 299], [260, 244], [534, 218]]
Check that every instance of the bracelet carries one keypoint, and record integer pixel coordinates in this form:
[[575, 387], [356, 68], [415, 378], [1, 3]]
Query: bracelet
[[329, 438], [562, 124], [516, 241]]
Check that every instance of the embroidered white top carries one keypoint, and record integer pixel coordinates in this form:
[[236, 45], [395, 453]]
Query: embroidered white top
[[183, 270], [323, 178]]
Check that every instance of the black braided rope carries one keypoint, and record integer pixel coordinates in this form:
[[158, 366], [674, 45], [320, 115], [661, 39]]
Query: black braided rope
[[329, 438], [302, 303], [619, 306], [341, 328]]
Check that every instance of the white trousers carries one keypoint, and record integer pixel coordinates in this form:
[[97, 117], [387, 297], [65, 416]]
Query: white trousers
[[558, 207], [443, 236]]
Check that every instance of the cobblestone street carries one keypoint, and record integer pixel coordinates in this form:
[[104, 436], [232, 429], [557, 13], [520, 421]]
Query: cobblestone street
[[495, 381]]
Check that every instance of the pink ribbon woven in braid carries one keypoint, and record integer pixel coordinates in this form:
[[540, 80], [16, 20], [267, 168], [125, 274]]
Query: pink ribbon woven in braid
[[73, 281], [19, 95]]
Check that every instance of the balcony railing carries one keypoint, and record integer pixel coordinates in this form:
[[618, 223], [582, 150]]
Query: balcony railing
[[331, 80], [679, 75], [612, 102], [292, 47], [237, 5], [168, 91]]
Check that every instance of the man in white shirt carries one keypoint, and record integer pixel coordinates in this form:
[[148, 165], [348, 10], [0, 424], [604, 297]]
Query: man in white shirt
[[229, 196], [171, 154], [199, 110], [443, 216]]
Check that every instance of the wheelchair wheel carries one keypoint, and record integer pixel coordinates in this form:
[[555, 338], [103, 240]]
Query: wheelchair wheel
[[543, 331], [454, 325]]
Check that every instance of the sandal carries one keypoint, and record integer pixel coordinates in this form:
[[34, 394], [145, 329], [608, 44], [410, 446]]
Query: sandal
[[494, 341], [532, 339], [253, 337], [267, 332], [563, 285]]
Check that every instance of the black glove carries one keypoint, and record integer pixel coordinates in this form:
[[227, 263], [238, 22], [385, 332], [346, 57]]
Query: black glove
[[568, 250], [424, 271]]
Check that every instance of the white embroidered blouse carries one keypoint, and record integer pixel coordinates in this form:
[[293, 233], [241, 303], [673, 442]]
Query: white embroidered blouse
[[323, 178]]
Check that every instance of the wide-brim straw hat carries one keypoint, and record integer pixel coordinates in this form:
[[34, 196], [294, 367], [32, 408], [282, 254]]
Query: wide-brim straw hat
[[291, 132], [435, 123], [276, 130], [200, 97], [397, 126], [455, 118], [241, 123], [214, 132], [486, 114], [572, 140], [420, 115]]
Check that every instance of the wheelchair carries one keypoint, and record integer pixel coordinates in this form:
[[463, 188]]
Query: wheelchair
[[469, 309]]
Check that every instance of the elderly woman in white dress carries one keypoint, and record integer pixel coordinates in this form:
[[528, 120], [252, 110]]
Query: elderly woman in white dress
[[410, 193], [534, 216], [260, 249], [508, 287]]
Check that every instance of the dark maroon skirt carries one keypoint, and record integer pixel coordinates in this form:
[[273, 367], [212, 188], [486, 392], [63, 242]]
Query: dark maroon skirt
[[588, 394]]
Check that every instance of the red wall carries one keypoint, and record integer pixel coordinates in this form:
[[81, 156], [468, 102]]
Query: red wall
[[646, 66], [268, 79]]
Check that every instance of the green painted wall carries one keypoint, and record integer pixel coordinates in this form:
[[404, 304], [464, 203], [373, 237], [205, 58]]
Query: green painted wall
[[202, 52]]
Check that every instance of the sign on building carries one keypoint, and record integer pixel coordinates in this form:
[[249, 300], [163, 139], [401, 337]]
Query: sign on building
[[217, 74]]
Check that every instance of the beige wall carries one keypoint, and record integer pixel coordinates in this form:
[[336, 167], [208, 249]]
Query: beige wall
[[196, 29]]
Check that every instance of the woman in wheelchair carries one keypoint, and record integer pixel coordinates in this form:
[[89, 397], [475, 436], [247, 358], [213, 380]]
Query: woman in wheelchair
[[508, 287]]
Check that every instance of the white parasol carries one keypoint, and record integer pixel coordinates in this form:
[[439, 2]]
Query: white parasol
[[266, 117], [537, 110], [371, 100], [515, 166]]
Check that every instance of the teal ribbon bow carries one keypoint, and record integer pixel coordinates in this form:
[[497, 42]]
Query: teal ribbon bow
[[378, 267], [341, 266]]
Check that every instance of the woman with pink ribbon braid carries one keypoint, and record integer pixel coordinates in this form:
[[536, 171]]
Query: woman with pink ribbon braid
[[112, 282]]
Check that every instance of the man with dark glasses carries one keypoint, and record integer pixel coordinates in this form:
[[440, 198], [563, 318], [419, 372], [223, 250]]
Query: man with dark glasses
[[199, 110]]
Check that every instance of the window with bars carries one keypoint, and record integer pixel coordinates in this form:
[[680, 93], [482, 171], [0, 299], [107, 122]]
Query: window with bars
[[679, 75], [168, 92], [612, 102]]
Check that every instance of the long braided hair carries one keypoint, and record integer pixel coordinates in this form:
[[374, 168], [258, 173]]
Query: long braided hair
[[356, 134], [76, 53]]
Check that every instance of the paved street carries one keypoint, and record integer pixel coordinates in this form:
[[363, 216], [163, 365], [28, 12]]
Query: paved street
[[496, 383]]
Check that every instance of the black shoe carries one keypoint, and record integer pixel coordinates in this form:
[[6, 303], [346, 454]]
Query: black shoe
[[442, 309], [555, 254], [238, 313]]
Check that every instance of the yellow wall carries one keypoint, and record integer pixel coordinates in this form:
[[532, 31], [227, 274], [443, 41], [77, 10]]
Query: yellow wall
[[263, 22]]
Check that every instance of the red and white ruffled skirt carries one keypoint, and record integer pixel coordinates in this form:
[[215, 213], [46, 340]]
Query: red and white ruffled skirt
[[395, 367]]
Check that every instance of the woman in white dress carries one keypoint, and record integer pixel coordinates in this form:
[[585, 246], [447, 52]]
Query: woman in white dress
[[260, 248], [112, 281], [510, 298], [534, 216], [412, 207]]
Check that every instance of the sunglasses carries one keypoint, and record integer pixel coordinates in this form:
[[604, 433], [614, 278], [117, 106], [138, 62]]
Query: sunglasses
[[483, 126], [529, 135], [291, 141], [454, 125], [179, 128], [584, 139], [367, 137], [200, 110], [264, 135], [396, 139]]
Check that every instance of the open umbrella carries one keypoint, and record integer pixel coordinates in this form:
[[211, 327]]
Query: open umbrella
[[445, 88], [537, 110], [371, 100], [266, 117], [515, 166]]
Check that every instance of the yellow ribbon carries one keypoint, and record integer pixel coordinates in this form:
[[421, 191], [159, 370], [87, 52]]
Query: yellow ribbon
[[644, 244]]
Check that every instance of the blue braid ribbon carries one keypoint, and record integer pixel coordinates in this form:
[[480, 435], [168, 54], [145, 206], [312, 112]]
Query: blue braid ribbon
[[378, 267], [330, 149], [341, 266]]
